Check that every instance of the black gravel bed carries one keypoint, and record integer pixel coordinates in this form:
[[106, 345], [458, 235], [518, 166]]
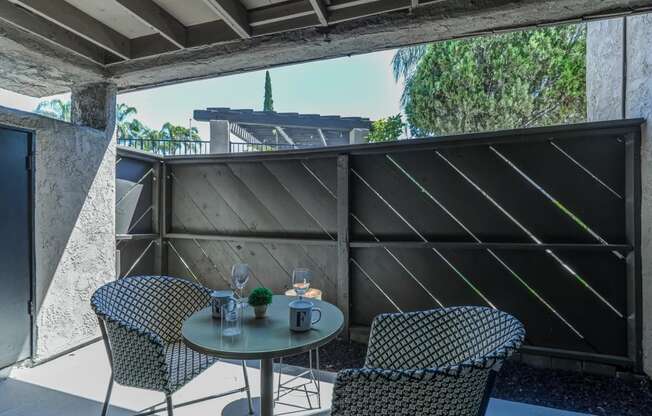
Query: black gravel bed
[[568, 390]]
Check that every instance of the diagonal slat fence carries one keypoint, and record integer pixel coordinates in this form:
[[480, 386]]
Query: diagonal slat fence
[[542, 223]]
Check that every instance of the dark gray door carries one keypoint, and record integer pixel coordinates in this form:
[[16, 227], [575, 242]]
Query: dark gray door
[[15, 246]]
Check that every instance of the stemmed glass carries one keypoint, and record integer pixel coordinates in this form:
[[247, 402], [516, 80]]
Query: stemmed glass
[[301, 281], [240, 274]]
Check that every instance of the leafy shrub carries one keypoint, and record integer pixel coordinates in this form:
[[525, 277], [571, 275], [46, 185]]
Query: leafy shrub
[[260, 296]]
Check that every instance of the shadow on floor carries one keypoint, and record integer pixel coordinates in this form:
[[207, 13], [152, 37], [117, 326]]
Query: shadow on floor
[[20, 398], [240, 408]]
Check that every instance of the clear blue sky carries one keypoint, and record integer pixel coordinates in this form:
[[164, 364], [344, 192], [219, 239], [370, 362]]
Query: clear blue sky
[[356, 86]]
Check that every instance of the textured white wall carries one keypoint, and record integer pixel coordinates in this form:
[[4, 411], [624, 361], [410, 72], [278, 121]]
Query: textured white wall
[[604, 75], [74, 226], [639, 104], [604, 79]]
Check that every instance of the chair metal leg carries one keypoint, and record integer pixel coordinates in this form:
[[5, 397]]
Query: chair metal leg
[[248, 391], [491, 380], [168, 401], [105, 407], [280, 375]]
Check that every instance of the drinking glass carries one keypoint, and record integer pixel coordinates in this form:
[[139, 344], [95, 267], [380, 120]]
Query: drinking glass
[[240, 274], [301, 281], [231, 319]]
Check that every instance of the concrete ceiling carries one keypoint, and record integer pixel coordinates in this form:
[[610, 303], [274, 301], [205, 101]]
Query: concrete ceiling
[[48, 45]]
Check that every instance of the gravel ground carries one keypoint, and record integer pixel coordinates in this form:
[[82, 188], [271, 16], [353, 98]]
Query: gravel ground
[[598, 395]]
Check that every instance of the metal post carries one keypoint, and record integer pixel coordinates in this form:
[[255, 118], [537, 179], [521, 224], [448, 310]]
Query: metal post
[[163, 216], [267, 387], [633, 232], [343, 244], [156, 215]]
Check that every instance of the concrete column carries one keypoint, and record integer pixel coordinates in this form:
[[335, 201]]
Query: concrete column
[[358, 136], [608, 42], [94, 105], [638, 103], [220, 136], [604, 75]]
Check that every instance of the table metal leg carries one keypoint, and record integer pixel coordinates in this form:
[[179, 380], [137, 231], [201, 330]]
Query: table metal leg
[[267, 387]]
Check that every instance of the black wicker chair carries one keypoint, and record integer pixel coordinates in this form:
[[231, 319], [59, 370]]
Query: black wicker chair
[[437, 363], [141, 318]]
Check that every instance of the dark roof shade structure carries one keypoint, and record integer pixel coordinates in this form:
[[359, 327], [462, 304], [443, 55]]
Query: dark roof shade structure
[[291, 130]]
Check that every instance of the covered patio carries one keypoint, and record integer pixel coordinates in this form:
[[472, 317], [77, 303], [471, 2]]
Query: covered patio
[[70, 385], [548, 225]]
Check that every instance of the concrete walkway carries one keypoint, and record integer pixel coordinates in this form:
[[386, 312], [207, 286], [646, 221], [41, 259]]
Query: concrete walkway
[[74, 385]]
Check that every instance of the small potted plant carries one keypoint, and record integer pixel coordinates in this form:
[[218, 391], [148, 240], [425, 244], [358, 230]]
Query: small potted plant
[[259, 298]]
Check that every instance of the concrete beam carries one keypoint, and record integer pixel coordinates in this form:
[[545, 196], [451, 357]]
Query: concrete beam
[[234, 14], [50, 32], [433, 22], [30, 65], [320, 11], [158, 19], [79, 23], [430, 22]]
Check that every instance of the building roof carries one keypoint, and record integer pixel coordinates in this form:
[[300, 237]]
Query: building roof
[[293, 129], [273, 118]]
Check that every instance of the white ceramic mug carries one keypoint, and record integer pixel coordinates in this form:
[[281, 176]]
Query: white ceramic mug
[[301, 315], [219, 298]]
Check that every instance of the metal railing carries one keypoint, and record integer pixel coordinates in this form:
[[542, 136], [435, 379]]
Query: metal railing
[[168, 147], [239, 147]]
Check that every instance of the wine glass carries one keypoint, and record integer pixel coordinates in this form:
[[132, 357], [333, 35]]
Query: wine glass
[[240, 274], [301, 281]]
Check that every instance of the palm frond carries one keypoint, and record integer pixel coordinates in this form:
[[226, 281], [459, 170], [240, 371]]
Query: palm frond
[[406, 60]]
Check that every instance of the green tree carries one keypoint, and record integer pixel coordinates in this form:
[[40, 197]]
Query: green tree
[[170, 139], [386, 129], [56, 108], [127, 127], [268, 103], [513, 80]]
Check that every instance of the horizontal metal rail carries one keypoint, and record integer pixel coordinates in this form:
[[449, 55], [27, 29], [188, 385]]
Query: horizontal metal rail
[[594, 130], [131, 153], [492, 246], [404, 244], [278, 240], [121, 237]]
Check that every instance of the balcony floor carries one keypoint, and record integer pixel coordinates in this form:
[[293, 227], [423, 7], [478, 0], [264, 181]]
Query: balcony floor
[[75, 384]]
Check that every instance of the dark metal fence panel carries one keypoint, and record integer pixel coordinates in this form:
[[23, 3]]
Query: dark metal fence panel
[[541, 223], [137, 201], [251, 202]]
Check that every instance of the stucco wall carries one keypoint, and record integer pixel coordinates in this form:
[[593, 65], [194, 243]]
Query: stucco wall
[[74, 226], [604, 77], [639, 104]]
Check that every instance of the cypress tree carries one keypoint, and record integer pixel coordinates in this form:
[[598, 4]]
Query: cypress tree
[[268, 104]]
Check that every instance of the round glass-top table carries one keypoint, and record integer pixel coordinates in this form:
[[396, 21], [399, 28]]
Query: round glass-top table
[[262, 339]]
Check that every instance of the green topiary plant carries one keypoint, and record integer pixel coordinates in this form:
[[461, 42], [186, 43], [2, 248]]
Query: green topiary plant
[[260, 296]]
